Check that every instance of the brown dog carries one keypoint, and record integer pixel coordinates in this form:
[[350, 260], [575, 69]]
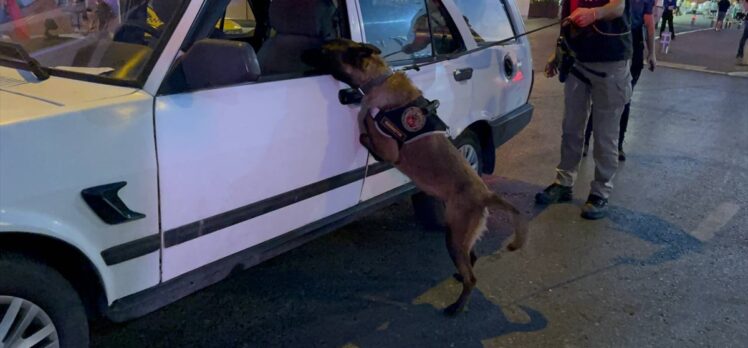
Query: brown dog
[[431, 162]]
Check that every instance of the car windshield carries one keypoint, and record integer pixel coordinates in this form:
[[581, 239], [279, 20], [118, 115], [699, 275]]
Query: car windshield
[[114, 39]]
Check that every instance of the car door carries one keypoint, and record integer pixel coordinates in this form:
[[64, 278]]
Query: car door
[[442, 73], [501, 79], [244, 164]]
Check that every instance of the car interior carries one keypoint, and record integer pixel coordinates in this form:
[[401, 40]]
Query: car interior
[[269, 50], [121, 49]]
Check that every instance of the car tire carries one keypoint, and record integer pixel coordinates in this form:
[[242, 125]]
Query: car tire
[[428, 210], [29, 286]]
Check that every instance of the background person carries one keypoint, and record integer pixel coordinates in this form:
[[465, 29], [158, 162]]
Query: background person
[[426, 22], [641, 16], [104, 15], [741, 46], [667, 17], [658, 10], [722, 7], [13, 12]]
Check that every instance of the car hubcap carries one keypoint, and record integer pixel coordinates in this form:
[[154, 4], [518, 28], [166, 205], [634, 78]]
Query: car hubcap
[[24, 324], [468, 151]]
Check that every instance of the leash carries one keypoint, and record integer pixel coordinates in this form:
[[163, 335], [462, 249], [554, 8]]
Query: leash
[[515, 37], [610, 34], [496, 43]]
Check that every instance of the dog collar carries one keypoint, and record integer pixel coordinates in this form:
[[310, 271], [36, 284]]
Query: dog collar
[[367, 87]]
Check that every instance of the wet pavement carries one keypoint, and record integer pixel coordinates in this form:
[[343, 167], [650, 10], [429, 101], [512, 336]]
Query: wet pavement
[[667, 268], [697, 47], [707, 50]]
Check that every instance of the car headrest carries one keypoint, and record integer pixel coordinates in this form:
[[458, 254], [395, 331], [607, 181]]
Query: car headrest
[[211, 63], [303, 17]]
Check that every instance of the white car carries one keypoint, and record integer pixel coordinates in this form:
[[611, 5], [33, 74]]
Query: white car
[[153, 154]]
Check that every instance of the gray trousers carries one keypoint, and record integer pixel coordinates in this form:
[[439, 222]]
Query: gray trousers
[[609, 94]]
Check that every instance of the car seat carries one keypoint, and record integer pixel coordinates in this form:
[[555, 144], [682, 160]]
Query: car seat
[[299, 25]]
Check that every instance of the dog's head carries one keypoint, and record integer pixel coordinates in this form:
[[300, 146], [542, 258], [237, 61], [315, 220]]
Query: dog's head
[[348, 61]]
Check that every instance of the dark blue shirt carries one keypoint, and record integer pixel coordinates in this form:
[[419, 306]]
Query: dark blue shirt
[[639, 8], [667, 3]]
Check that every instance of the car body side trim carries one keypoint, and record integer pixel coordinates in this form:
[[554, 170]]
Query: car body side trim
[[132, 249], [176, 236], [151, 299], [232, 217], [505, 127]]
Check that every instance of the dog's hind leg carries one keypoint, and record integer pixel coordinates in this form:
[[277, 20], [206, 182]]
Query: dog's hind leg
[[473, 259], [519, 221], [465, 226]]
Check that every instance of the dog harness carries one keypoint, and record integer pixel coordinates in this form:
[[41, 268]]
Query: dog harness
[[410, 122]]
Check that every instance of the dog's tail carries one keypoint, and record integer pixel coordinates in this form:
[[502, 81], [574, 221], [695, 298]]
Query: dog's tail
[[520, 222]]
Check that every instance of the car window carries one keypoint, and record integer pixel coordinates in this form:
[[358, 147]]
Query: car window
[[408, 30], [239, 20], [488, 20], [268, 38], [113, 39]]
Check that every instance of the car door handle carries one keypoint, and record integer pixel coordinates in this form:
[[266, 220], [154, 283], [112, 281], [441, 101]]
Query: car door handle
[[350, 96], [463, 74]]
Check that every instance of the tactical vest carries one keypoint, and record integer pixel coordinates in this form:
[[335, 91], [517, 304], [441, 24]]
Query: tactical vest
[[410, 122]]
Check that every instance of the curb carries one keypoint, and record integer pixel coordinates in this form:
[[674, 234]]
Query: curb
[[689, 67], [703, 69]]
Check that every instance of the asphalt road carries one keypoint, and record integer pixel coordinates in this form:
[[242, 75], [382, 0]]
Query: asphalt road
[[668, 268]]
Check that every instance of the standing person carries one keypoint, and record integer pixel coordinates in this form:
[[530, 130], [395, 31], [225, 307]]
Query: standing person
[[667, 17], [722, 7], [741, 46], [103, 14], [3, 15], [641, 16], [600, 75], [732, 13], [427, 21], [20, 31], [658, 10]]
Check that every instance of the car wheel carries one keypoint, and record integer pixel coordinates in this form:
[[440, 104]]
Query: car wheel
[[38, 306], [430, 211], [469, 146]]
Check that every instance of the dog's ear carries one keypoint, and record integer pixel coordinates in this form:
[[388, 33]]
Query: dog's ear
[[355, 55], [371, 49], [314, 57]]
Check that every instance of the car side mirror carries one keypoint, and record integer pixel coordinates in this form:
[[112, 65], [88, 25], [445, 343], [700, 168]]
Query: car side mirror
[[215, 63]]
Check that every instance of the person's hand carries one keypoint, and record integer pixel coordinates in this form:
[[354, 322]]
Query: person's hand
[[652, 60], [583, 17], [551, 68]]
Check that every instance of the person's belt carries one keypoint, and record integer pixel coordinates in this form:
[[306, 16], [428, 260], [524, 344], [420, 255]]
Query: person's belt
[[578, 74]]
